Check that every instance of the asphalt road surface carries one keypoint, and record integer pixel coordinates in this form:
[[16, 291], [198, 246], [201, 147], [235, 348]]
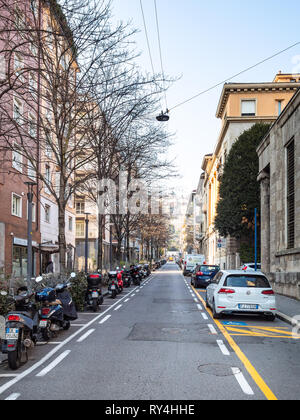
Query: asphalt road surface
[[159, 342]]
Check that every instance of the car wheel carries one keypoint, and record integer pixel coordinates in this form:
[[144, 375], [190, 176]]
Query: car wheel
[[215, 314], [270, 318], [206, 301]]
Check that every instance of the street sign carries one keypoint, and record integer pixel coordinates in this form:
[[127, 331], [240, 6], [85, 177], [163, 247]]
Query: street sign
[[221, 243]]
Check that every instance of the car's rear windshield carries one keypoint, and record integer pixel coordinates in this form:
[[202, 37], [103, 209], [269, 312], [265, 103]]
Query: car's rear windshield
[[209, 268], [259, 282]]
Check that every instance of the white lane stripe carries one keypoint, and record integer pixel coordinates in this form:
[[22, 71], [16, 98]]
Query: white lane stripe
[[86, 335], [212, 329], [13, 397], [223, 348], [196, 300], [204, 316], [127, 300], [52, 365], [104, 319], [242, 381], [118, 307], [8, 375], [41, 362], [199, 307]]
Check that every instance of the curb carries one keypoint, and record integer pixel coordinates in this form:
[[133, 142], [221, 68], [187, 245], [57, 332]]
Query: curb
[[287, 319]]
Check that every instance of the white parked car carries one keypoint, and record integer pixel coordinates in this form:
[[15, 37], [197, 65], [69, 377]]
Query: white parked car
[[239, 292], [250, 267]]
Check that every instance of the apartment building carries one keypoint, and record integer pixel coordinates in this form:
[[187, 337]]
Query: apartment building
[[241, 105]]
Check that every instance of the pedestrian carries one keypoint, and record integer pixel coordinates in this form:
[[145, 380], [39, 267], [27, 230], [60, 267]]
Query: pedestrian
[[49, 267]]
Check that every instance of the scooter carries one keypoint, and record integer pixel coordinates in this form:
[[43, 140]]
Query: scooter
[[126, 278], [94, 297], [20, 329], [113, 288], [136, 276], [57, 309]]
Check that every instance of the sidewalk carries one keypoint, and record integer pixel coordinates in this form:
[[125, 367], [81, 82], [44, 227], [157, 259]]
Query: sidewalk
[[287, 309]]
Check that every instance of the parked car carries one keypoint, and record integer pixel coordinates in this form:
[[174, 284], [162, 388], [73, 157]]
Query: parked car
[[237, 292], [203, 274], [250, 267]]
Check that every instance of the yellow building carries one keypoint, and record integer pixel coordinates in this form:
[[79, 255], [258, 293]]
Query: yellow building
[[241, 105]]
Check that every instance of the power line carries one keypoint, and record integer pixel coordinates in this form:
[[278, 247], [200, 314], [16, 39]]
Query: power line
[[236, 75], [160, 48], [147, 37]]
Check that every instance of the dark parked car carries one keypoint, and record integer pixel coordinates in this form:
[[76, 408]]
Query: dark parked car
[[203, 274]]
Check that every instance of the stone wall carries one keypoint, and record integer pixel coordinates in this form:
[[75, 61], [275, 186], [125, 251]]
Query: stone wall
[[287, 284]]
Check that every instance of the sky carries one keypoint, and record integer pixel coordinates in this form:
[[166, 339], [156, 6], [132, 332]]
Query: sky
[[205, 43]]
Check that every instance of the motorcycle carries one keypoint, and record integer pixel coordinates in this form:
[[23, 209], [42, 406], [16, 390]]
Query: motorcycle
[[136, 276], [126, 278], [147, 270], [57, 309], [21, 328], [113, 288], [94, 297], [120, 280]]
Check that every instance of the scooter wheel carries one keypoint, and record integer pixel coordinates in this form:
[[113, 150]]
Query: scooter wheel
[[67, 326], [14, 359], [46, 333]]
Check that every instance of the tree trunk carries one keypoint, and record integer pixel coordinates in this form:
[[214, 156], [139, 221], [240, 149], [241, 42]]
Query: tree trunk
[[100, 242], [62, 238]]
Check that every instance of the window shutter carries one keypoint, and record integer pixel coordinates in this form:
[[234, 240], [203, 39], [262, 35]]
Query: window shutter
[[291, 195]]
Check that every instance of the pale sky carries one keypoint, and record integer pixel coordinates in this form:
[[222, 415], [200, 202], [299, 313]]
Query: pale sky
[[206, 43]]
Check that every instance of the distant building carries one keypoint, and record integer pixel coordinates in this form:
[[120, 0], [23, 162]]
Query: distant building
[[279, 164], [241, 106]]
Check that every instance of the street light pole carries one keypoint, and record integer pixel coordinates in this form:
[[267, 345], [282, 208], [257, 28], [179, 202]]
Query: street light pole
[[30, 186], [86, 241], [110, 246]]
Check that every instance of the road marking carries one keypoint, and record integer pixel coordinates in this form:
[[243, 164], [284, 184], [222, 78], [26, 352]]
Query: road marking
[[133, 295], [41, 362], [212, 329], [199, 307], [104, 319], [242, 381], [86, 335], [127, 300], [8, 375], [246, 362], [52, 365], [223, 348], [13, 397], [204, 316], [196, 300], [118, 307]]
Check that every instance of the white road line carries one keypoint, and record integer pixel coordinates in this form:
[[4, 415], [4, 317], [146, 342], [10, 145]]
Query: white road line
[[212, 329], [133, 295], [127, 300], [242, 381], [199, 307], [41, 362], [52, 365], [104, 319], [204, 316], [86, 335], [13, 397], [196, 300], [8, 375], [137, 291], [223, 348], [118, 307]]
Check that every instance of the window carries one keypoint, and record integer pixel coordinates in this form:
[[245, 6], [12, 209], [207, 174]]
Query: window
[[249, 108], [80, 207], [279, 104], [47, 213], [16, 206], [32, 129], [18, 111], [47, 178], [18, 65], [70, 224], [17, 160], [33, 85], [2, 67], [80, 229], [291, 195], [258, 282], [31, 171]]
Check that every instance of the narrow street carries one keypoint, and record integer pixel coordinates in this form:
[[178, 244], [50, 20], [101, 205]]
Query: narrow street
[[159, 342]]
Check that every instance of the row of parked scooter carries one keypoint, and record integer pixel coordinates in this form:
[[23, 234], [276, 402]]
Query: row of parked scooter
[[43, 312]]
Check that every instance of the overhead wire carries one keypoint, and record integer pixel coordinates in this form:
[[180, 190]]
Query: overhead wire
[[233, 77], [147, 37]]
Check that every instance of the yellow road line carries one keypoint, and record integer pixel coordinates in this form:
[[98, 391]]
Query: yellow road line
[[248, 365]]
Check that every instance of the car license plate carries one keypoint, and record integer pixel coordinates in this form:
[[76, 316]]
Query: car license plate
[[12, 334], [113, 287], [43, 324], [247, 306], [95, 295]]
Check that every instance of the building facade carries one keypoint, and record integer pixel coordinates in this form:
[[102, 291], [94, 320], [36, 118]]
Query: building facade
[[279, 163], [240, 107]]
